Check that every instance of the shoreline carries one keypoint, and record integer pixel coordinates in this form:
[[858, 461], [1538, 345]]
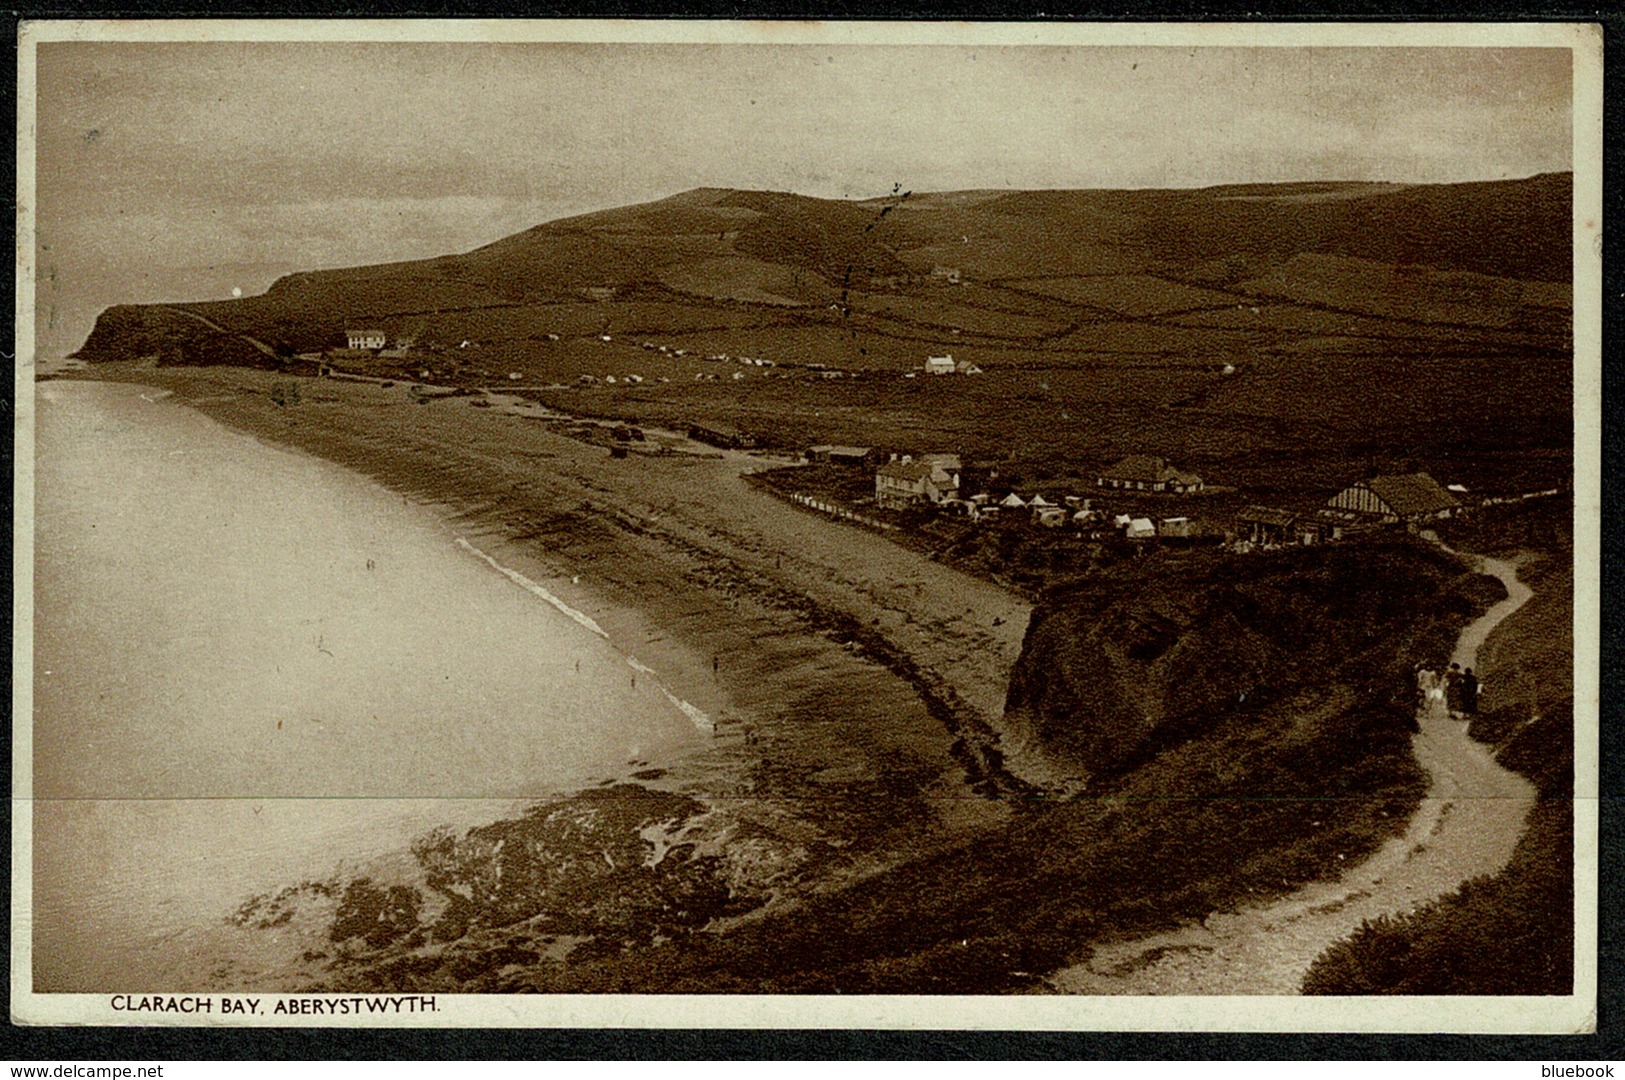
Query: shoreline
[[674, 591], [580, 558], [336, 791], [792, 806]]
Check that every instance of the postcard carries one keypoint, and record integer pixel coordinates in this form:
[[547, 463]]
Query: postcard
[[711, 524]]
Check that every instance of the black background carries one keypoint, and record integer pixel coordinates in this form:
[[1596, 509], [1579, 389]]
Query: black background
[[42, 1045]]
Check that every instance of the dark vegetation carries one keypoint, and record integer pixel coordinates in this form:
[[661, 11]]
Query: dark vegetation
[[1276, 790], [583, 895], [1366, 324], [1243, 722], [1512, 933], [1156, 651]]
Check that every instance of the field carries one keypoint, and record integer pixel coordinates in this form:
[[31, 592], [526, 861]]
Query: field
[[1281, 341], [1278, 337]]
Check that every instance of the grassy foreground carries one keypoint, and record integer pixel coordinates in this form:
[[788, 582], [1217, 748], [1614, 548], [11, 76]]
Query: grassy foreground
[[1512, 933], [1266, 796]]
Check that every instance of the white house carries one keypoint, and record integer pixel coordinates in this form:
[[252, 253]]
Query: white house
[[367, 339], [904, 482], [939, 365]]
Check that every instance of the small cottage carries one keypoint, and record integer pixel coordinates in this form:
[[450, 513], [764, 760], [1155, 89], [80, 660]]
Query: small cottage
[[939, 365], [1409, 499], [1142, 472], [366, 339], [841, 455], [1266, 526], [905, 482]]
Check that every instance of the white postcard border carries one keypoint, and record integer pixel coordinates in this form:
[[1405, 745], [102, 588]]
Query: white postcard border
[[1572, 1014]]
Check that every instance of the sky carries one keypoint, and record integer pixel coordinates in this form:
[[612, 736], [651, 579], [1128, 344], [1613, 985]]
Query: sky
[[184, 170]]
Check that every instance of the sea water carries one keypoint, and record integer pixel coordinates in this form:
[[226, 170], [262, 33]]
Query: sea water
[[251, 666]]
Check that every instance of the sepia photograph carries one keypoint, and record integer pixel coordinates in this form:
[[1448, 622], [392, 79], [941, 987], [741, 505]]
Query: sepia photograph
[[750, 524]]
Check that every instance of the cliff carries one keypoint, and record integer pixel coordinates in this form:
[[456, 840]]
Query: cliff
[[169, 336], [1152, 652]]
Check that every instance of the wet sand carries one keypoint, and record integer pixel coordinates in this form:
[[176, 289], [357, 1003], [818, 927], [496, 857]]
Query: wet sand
[[845, 673]]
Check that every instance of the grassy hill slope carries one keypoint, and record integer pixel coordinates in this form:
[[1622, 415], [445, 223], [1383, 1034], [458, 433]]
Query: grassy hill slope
[[1334, 325], [1512, 933], [1513, 230]]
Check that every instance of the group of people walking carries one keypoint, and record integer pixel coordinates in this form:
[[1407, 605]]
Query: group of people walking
[[1457, 687]]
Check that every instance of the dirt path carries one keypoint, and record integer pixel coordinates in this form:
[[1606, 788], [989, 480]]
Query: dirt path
[[212, 325], [1468, 824]]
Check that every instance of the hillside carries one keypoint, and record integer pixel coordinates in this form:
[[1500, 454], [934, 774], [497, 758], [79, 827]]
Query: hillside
[[1122, 666], [1512, 933], [717, 246], [1280, 789], [1359, 322]]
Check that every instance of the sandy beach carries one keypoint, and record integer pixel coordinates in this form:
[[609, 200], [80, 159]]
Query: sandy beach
[[851, 690], [757, 613]]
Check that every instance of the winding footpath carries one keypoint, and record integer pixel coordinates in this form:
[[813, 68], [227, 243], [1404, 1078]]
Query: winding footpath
[[212, 325], [1468, 824]]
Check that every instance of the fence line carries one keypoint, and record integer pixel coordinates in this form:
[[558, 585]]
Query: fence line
[[835, 511]]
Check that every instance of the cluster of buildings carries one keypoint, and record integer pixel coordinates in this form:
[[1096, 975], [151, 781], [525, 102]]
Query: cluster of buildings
[[934, 480], [1409, 499], [908, 481]]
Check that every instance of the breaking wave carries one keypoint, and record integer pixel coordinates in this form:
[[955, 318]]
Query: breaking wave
[[693, 712]]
